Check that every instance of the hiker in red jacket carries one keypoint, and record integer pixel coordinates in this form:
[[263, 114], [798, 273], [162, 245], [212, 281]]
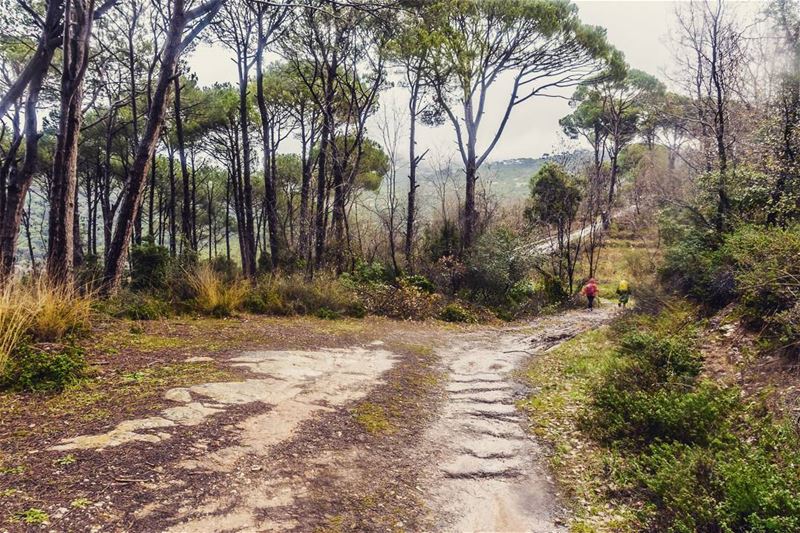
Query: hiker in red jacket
[[590, 291]]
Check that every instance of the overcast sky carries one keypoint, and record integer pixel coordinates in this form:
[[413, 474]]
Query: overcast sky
[[639, 28]]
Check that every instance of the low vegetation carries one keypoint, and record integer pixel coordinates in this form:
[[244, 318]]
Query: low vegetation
[[643, 440], [39, 322]]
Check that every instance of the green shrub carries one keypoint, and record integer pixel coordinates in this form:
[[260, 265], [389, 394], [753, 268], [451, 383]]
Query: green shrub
[[553, 290], [263, 299], [137, 306], [150, 266], [44, 368], [766, 266], [226, 268], [663, 414], [293, 294], [732, 485], [495, 267], [327, 314], [365, 273], [420, 282], [455, 312], [676, 476], [695, 266], [661, 359]]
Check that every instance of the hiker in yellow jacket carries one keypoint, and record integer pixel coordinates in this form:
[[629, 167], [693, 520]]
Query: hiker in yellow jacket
[[623, 293]]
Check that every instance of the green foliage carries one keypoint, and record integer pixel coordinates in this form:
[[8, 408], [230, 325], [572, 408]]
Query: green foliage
[[290, 295], [420, 282], [662, 414], [495, 267], [455, 312], [150, 266], [364, 272], [225, 268], [766, 268], [556, 197], [659, 358], [34, 516], [49, 368], [702, 459], [327, 314], [694, 265], [754, 265], [137, 306], [737, 486]]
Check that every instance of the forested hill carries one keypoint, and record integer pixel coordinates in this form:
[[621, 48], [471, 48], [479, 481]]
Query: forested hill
[[505, 179]]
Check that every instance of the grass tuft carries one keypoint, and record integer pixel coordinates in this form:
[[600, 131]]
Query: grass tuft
[[213, 296]]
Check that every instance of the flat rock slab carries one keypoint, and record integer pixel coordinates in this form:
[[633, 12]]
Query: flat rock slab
[[478, 386], [467, 466], [485, 409], [486, 396], [493, 428], [490, 447], [315, 378]]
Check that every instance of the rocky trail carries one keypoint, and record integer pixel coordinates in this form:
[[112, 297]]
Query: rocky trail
[[280, 451], [491, 475]]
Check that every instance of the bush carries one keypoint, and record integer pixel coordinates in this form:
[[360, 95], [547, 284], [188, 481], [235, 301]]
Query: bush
[[766, 269], [226, 268], [495, 267], [696, 267], [404, 301], [660, 359], [365, 273], [327, 314], [663, 414], [740, 486], [44, 368], [456, 313], [293, 294], [420, 282], [137, 306], [150, 266], [212, 296]]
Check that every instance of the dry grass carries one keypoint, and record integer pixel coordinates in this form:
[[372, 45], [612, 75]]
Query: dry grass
[[41, 309], [212, 295], [61, 310], [16, 311]]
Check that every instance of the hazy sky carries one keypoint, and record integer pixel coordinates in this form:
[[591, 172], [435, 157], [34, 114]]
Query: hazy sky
[[639, 28]]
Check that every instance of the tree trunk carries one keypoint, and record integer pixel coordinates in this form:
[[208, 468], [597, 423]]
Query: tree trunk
[[60, 261], [186, 217], [270, 194], [470, 214], [20, 183], [131, 202], [412, 180]]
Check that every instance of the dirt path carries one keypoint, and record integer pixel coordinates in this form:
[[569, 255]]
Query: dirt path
[[386, 435], [490, 475]]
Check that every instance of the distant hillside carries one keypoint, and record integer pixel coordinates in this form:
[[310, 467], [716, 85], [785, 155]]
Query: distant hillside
[[508, 179]]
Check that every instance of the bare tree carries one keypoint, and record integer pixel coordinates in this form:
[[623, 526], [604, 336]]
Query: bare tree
[[714, 55]]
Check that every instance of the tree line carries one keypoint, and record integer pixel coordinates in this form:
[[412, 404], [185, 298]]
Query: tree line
[[105, 125], [102, 118]]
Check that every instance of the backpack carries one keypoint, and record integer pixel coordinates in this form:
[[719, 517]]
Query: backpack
[[623, 285]]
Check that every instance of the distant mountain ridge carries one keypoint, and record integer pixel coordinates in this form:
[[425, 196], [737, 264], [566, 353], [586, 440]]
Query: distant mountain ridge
[[509, 179]]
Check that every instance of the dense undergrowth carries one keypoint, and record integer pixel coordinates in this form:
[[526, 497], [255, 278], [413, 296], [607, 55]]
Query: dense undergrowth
[[643, 441], [756, 268]]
